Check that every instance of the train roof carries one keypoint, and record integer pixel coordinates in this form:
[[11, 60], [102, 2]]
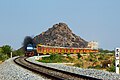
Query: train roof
[[61, 47]]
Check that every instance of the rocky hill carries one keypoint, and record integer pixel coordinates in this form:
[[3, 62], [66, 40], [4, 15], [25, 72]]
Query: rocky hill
[[60, 35]]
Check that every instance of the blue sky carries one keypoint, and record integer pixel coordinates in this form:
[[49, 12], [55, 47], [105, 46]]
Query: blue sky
[[97, 20]]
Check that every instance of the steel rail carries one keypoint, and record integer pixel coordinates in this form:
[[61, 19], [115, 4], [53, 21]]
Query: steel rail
[[51, 72]]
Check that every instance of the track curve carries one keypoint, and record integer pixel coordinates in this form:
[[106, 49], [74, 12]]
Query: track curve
[[55, 74]]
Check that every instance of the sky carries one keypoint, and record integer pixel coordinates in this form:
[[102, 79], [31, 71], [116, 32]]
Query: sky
[[97, 20]]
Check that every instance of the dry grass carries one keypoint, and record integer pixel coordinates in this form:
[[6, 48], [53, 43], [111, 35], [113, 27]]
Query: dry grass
[[96, 61]]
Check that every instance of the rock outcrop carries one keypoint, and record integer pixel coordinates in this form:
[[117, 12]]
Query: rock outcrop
[[60, 35]]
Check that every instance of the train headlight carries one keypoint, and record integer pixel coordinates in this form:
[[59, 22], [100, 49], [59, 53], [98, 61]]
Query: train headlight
[[30, 47]]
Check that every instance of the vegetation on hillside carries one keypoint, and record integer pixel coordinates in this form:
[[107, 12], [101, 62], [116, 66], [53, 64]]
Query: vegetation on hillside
[[105, 51], [19, 52], [100, 60], [5, 52], [55, 58]]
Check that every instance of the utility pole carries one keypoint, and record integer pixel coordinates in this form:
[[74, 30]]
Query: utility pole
[[11, 54], [117, 52]]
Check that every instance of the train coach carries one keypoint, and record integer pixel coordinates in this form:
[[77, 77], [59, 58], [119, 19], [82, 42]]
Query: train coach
[[43, 49]]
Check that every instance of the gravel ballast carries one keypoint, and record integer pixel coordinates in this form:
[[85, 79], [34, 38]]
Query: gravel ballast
[[100, 74], [11, 71]]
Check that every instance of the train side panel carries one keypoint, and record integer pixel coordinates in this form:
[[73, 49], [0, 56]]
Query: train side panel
[[61, 50]]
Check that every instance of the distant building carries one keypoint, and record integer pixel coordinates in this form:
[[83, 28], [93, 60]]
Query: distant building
[[93, 44]]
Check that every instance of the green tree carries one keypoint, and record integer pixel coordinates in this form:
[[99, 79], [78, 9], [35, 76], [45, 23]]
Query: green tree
[[3, 57], [6, 50], [18, 52]]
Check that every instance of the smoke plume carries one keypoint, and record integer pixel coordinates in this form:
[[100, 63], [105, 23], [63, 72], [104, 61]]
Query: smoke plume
[[27, 40]]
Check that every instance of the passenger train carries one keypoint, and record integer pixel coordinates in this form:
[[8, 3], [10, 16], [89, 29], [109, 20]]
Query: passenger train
[[43, 49]]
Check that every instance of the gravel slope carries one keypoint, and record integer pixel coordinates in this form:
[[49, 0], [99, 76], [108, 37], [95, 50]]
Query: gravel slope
[[100, 74], [11, 71]]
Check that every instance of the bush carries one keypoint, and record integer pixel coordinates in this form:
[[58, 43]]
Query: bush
[[95, 67], [79, 64], [5, 52], [53, 58], [19, 52], [3, 57], [102, 57], [6, 49], [111, 68], [79, 56], [105, 63], [68, 54]]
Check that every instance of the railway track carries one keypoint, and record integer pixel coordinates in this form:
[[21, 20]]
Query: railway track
[[52, 73]]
